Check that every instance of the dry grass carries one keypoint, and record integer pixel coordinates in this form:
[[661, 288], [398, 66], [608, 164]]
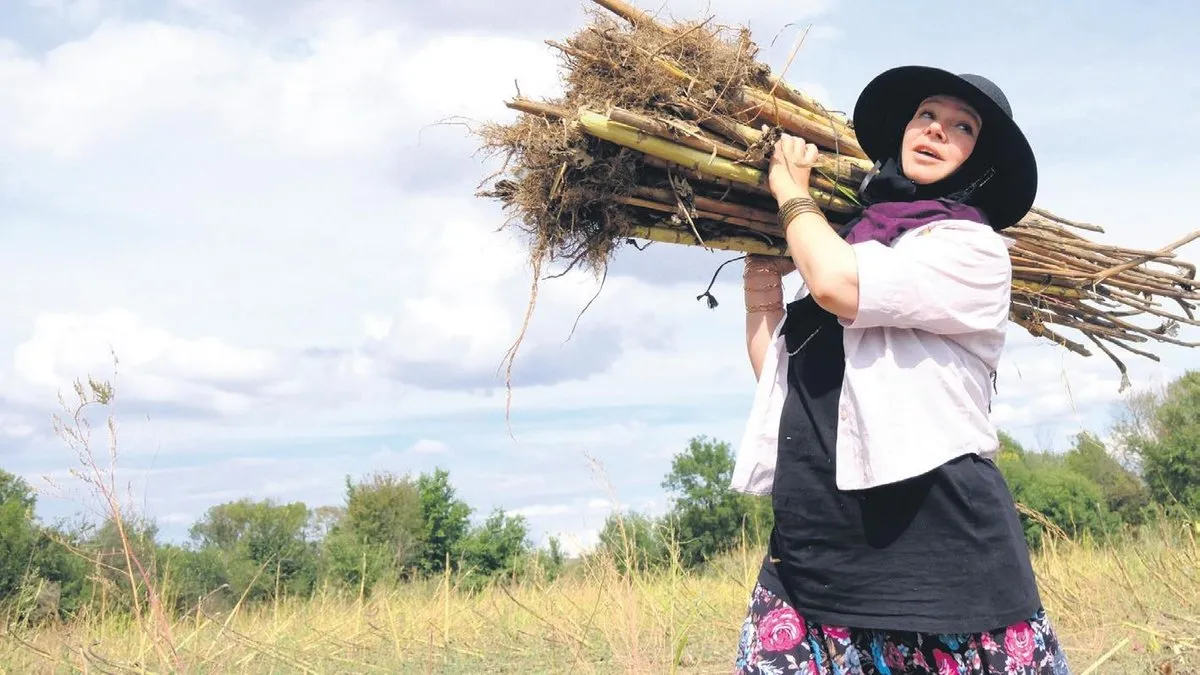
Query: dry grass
[[1126, 606], [1141, 596]]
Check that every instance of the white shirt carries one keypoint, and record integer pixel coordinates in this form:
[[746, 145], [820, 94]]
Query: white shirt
[[930, 328]]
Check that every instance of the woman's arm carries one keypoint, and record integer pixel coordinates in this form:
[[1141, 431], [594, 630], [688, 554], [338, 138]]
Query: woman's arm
[[825, 261], [952, 279], [762, 284]]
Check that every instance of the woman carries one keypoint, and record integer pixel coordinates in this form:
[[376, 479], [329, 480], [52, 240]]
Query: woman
[[897, 547]]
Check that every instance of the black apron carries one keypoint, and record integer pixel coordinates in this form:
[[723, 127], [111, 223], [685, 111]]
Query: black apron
[[943, 552]]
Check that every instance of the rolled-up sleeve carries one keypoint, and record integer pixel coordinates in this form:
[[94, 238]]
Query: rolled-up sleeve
[[949, 279]]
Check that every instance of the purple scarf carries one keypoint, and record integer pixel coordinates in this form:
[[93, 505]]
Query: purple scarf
[[885, 221]]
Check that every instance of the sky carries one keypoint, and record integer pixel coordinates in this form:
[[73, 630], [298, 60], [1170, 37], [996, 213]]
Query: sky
[[257, 208]]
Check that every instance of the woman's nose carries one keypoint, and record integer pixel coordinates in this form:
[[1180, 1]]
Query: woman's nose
[[935, 129]]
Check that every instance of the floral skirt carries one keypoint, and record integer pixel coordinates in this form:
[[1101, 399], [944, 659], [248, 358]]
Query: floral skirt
[[776, 640]]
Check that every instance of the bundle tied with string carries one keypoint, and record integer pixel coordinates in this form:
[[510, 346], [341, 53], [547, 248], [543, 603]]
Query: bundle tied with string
[[663, 133]]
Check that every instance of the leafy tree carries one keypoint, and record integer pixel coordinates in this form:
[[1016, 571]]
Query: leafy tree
[[541, 563], [378, 533], [355, 563], [496, 546], [1043, 482], [18, 532], [1163, 432], [107, 544], [635, 541], [67, 573], [264, 544], [554, 556], [385, 511], [1009, 447], [1124, 492], [14, 489], [195, 578], [323, 520], [708, 515], [33, 559], [1135, 420], [445, 518]]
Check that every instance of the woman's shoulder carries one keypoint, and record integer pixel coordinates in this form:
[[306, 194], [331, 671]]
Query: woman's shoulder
[[972, 227], [973, 234]]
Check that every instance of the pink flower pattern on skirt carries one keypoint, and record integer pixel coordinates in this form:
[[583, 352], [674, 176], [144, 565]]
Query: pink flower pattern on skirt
[[1018, 642], [946, 665], [781, 629], [776, 640]]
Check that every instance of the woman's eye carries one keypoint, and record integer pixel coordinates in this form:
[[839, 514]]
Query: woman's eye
[[966, 128]]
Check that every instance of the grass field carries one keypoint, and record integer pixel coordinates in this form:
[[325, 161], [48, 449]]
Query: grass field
[[1128, 607]]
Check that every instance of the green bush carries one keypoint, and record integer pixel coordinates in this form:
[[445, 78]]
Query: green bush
[[264, 546], [635, 542], [1046, 483]]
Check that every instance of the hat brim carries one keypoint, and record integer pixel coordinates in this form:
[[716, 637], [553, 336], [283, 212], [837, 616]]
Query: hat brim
[[888, 103]]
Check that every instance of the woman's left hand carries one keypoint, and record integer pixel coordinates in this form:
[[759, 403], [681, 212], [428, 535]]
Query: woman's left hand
[[790, 168]]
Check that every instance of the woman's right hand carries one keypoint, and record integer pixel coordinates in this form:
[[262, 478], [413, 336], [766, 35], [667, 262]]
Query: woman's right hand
[[790, 169]]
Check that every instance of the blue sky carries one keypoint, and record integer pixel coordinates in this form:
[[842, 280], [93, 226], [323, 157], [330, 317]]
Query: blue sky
[[248, 201]]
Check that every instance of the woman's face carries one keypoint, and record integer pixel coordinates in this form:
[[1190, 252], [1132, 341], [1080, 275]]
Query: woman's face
[[938, 139]]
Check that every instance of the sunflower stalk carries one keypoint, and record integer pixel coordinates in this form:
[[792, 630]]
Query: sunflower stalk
[[664, 134]]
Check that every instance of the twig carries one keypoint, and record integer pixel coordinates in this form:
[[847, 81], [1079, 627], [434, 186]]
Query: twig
[[1107, 655]]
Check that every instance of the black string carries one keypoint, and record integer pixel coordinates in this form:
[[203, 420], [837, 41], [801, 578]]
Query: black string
[[712, 300], [995, 390], [966, 193]]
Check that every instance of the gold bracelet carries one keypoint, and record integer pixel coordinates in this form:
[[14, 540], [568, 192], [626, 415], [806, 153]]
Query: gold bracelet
[[764, 287], [798, 203], [794, 207], [764, 307], [750, 271]]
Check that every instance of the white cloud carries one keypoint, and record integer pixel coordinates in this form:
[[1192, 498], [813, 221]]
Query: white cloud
[[538, 510], [152, 365], [358, 93], [185, 519], [15, 427], [356, 89], [1047, 395], [426, 446]]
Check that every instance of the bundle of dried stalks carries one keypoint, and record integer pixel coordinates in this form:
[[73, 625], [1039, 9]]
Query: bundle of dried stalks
[[664, 132]]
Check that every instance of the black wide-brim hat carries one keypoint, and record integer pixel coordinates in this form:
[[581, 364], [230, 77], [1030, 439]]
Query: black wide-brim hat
[[889, 101]]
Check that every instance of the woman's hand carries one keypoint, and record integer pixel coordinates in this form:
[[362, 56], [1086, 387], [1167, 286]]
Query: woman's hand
[[825, 261], [791, 166]]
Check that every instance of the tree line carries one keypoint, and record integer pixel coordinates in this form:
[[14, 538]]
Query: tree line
[[395, 529], [390, 529]]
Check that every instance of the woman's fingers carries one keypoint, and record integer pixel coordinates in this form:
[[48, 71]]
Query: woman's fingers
[[810, 155], [795, 147], [795, 151]]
